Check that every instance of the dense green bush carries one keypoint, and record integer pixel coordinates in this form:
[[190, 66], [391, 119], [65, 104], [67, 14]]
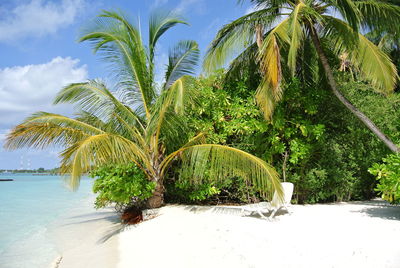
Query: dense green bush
[[388, 175], [185, 192], [121, 185], [328, 150], [232, 190], [323, 149]]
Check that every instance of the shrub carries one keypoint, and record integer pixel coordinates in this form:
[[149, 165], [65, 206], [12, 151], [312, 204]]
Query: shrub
[[388, 175], [185, 192], [121, 185], [233, 190], [328, 149]]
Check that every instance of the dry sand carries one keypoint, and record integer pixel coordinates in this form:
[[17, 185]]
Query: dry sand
[[87, 238], [356, 234]]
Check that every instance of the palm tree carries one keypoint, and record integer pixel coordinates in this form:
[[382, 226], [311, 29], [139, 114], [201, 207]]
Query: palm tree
[[146, 123], [298, 37]]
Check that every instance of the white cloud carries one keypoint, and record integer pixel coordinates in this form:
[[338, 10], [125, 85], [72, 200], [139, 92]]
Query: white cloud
[[158, 3], [3, 135], [31, 88], [160, 64], [210, 31], [251, 9], [38, 18], [189, 5]]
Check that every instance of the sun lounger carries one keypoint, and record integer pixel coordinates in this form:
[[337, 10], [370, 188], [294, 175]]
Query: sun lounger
[[273, 206]]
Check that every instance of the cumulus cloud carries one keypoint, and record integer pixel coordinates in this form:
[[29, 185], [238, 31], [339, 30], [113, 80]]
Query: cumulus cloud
[[31, 88], [38, 18]]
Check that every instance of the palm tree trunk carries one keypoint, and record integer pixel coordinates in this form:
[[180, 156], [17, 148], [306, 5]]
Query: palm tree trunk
[[259, 35], [157, 200], [331, 80]]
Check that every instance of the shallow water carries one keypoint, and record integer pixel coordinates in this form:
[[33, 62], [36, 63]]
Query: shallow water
[[29, 205]]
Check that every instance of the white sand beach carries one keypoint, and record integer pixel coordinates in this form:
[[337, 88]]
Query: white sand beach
[[87, 237], [354, 234]]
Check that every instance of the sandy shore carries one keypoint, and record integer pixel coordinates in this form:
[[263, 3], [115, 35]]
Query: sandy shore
[[87, 238], [355, 234]]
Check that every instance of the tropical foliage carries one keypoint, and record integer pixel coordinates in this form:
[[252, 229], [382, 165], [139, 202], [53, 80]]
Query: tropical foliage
[[388, 175], [302, 39], [204, 139], [121, 186], [328, 151], [139, 122]]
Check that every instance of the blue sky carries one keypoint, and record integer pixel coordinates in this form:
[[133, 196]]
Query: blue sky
[[39, 53]]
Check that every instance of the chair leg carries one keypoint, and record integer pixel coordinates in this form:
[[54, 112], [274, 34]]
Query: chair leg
[[287, 209], [262, 215], [242, 211], [273, 214]]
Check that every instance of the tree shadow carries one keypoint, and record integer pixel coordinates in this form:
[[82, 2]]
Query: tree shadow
[[91, 214], [232, 210], [108, 216], [111, 232], [380, 209], [106, 223]]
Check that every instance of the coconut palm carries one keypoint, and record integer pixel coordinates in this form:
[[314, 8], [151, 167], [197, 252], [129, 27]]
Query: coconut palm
[[144, 123], [302, 38]]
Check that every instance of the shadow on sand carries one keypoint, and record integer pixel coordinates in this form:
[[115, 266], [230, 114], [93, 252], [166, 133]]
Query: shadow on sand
[[380, 209], [109, 221], [231, 210], [112, 231]]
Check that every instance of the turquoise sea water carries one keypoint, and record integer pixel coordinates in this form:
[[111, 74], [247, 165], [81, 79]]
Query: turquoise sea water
[[28, 207]]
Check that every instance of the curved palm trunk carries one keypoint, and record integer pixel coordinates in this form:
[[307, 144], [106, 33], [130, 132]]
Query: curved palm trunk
[[331, 80], [259, 35]]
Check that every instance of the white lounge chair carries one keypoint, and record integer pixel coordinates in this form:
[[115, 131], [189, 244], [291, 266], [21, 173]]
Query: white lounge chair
[[273, 206]]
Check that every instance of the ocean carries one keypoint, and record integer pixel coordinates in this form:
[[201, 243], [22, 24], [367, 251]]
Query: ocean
[[29, 207]]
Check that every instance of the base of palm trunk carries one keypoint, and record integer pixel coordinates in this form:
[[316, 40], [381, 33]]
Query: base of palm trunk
[[155, 201]]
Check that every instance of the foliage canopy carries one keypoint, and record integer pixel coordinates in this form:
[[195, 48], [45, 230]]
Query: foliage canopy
[[144, 124]]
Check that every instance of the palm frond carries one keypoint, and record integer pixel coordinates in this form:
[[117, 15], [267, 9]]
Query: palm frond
[[275, 5], [46, 129], [42, 135], [167, 117], [374, 65], [269, 90], [309, 64], [379, 15], [63, 121], [349, 12], [233, 38], [198, 139], [296, 36], [120, 44], [217, 162], [91, 119], [94, 98], [245, 61], [159, 23], [183, 59], [338, 33], [97, 150]]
